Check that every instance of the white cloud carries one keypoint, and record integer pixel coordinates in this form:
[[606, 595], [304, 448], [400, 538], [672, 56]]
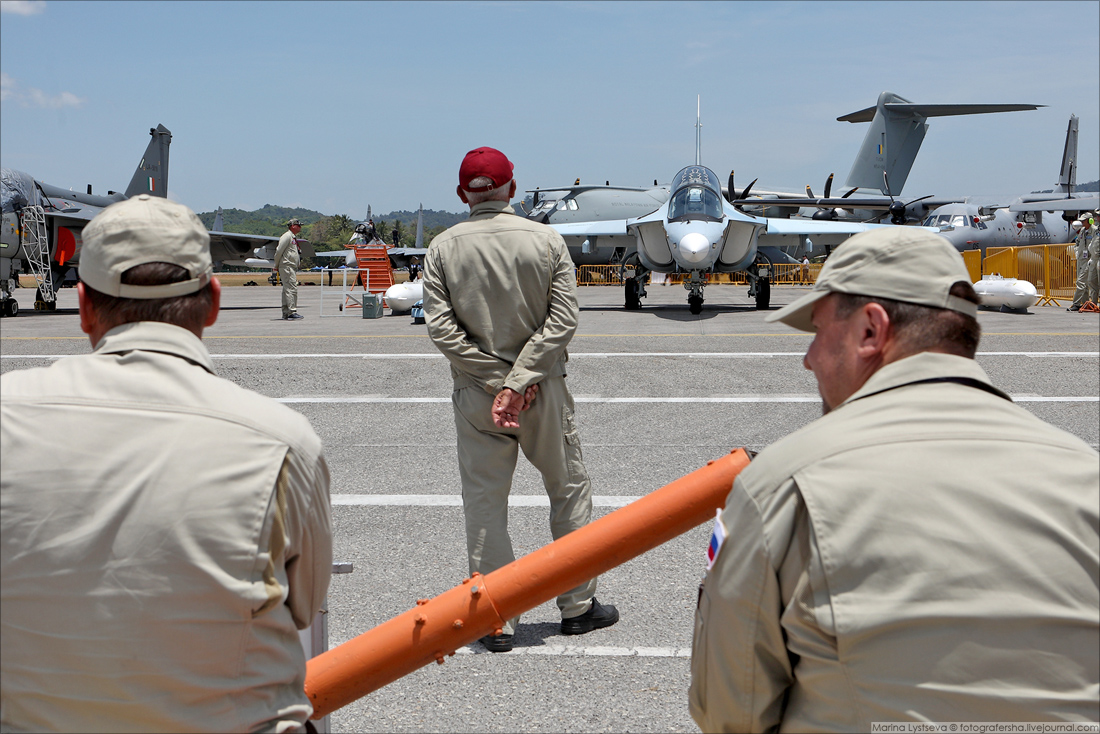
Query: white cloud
[[22, 7], [32, 97]]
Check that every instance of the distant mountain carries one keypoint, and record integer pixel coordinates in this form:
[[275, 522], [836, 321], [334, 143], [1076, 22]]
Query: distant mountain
[[1087, 186], [271, 220]]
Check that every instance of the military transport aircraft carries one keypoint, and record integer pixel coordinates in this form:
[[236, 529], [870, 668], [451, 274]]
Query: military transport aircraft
[[696, 231], [971, 226], [42, 226], [883, 163]]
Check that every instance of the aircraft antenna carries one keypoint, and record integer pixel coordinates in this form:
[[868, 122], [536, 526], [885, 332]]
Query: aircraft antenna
[[698, 132]]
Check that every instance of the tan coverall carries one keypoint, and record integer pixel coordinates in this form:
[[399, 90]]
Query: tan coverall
[[1093, 278], [164, 535], [500, 303], [1081, 252], [928, 551], [286, 260]]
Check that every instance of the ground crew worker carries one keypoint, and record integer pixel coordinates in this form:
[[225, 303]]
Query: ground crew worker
[[1081, 252], [1093, 276], [500, 303], [287, 257], [156, 569], [925, 551]]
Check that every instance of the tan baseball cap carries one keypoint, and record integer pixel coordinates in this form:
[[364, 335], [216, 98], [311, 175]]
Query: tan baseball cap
[[905, 264], [140, 230]]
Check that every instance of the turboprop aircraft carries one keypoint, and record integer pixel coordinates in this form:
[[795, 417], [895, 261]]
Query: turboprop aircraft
[[697, 232], [883, 163], [42, 226], [970, 226]]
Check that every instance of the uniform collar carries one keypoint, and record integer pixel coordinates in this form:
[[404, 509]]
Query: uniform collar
[[925, 367], [491, 208], [155, 336]]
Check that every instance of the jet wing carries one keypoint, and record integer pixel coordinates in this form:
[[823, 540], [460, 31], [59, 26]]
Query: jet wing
[[234, 246], [815, 226], [606, 228], [1057, 205]]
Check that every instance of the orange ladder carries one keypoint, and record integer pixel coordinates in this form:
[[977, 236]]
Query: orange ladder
[[375, 260]]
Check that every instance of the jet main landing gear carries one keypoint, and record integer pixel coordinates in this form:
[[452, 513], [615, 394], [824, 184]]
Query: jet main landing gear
[[633, 286]]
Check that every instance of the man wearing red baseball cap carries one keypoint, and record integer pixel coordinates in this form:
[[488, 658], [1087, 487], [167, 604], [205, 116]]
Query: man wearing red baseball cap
[[500, 303]]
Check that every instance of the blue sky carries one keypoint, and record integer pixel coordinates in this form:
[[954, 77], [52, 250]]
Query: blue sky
[[334, 106]]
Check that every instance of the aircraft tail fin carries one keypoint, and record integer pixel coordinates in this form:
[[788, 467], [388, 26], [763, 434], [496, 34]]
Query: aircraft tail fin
[[897, 130], [219, 223], [1067, 177], [420, 227], [698, 134], [151, 176]]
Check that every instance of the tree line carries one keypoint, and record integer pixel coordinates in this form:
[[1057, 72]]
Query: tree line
[[327, 233]]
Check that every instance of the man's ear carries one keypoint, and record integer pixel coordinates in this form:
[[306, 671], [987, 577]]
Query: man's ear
[[512, 190], [215, 302], [88, 318], [461, 194], [875, 331]]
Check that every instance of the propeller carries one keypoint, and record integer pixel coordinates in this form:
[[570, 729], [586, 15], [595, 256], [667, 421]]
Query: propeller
[[826, 213], [898, 208], [731, 193]]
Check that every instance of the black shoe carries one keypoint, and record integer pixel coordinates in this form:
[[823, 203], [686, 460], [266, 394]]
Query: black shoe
[[293, 316], [1074, 308], [497, 643], [597, 617]]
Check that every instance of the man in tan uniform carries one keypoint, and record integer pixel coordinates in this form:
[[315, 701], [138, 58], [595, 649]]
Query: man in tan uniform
[[164, 533], [925, 551], [500, 303], [286, 260]]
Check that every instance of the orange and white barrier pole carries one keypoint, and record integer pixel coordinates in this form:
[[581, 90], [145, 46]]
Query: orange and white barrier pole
[[437, 627]]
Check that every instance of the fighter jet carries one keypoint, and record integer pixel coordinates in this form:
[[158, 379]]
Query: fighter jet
[[883, 163], [42, 226], [698, 232], [970, 226]]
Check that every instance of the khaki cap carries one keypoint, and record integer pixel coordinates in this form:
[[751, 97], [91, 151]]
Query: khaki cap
[[141, 230], [905, 264]]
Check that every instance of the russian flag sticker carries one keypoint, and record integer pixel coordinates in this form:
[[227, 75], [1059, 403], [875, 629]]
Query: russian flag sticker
[[717, 537]]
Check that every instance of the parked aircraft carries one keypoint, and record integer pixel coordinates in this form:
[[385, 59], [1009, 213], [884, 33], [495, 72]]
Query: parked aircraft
[[42, 226], [697, 232], [883, 163], [970, 226], [399, 256]]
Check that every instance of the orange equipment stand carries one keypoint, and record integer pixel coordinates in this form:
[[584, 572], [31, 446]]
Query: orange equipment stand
[[1089, 307], [478, 606], [375, 260]]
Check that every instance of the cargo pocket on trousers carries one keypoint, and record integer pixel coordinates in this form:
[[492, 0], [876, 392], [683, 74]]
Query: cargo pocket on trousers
[[574, 459]]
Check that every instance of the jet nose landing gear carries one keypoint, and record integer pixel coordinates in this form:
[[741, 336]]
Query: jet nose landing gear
[[695, 304]]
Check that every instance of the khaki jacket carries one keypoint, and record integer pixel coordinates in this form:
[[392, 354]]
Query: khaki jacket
[[927, 551], [500, 299], [164, 533], [286, 253]]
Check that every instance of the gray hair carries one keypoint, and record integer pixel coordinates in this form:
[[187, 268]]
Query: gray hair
[[500, 193]]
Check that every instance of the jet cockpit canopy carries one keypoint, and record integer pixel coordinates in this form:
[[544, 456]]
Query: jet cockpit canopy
[[696, 195]]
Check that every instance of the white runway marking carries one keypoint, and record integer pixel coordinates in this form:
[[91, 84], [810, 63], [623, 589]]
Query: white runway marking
[[572, 355], [455, 500], [599, 399], [477, 648]]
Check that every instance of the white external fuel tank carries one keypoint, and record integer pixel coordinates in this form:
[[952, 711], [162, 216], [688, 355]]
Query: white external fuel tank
[[1006, 293], [402, 296]]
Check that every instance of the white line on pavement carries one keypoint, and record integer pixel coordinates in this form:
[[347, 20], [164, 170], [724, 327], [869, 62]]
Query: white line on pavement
[[577, 651], [455, 500], [599, 399]]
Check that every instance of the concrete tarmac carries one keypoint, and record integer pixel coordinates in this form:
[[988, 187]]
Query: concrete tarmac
[[659, 392]]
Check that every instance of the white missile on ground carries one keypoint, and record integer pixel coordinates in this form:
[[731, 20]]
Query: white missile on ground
[[1006, 293], [402, 296]]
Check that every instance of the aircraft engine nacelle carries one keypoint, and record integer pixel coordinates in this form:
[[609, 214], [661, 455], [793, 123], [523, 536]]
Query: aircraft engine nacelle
[[738, 245], [654, 249]]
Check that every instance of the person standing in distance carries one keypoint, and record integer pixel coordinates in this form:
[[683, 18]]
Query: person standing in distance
[[1092, 278], [287, 257], [500, 303], [156, 566], [926, 551], [1081, 253]]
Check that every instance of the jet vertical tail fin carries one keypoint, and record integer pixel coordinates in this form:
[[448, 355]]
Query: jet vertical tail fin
[[420, 227], [1067, 177], [151, 176], [219, 224], [897, 130]]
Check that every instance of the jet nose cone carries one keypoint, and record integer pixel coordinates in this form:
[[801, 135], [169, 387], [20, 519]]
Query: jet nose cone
[[694, 246]]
